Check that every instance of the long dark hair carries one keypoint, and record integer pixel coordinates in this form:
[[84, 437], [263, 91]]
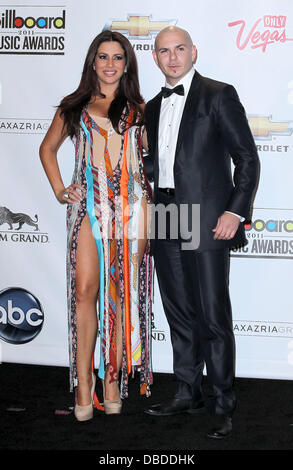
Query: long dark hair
[[127, 93]]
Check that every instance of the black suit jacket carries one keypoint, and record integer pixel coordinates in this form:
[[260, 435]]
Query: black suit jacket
[[213, 129]]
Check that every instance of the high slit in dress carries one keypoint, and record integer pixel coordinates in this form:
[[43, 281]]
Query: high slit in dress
[[113, 202]]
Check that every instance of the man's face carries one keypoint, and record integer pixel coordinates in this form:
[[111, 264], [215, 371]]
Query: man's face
[[174, 55]]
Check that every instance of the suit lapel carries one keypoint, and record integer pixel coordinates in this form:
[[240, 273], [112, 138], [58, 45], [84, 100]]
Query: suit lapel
[[156, 107], [190, 108]]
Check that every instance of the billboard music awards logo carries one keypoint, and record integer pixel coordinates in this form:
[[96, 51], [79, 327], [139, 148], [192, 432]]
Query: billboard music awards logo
[[139, 28], [21, 316], [18, 227], [263, 128], [269, 235], [32, 29], [267, 31]]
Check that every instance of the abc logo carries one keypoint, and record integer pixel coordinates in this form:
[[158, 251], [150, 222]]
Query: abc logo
[[21, 316]]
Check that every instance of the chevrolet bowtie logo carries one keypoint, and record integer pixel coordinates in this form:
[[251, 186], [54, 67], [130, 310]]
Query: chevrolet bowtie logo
[[139, 27], [263, 128]]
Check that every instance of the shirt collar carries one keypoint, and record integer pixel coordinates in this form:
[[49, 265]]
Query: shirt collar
[[185, 81]]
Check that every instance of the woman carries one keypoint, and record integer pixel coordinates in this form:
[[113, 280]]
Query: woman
[[108, 258]]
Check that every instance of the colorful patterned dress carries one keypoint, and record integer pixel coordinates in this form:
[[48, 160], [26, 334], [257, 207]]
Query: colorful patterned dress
[[109, 167]]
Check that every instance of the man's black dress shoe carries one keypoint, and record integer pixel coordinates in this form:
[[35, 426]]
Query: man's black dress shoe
[[175, 407], [222, 427]]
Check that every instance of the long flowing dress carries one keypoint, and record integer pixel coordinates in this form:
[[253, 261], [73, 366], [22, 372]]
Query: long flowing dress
[[109, 167]]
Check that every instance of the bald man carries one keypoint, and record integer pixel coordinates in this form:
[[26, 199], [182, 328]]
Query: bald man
[[195, 126]]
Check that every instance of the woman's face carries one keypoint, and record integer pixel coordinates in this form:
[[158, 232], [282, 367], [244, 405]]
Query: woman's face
[[110, 62]]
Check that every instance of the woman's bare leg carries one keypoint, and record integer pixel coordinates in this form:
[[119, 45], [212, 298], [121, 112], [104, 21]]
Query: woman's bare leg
[[87, 286]]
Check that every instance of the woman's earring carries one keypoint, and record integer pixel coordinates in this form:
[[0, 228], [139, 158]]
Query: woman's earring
[[94, 67], [125, 70]]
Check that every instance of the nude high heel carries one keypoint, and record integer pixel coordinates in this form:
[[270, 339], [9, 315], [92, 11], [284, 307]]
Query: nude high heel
[[112, 407], [86, 412]]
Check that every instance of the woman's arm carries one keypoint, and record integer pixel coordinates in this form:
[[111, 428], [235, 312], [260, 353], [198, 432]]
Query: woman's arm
[[48, 154], [145, 140], [144, 134]]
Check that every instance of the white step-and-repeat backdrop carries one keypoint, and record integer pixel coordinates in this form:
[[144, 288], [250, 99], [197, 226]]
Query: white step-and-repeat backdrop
[[42, 50]]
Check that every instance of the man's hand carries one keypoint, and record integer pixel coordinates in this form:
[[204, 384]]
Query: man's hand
[[226, 227]]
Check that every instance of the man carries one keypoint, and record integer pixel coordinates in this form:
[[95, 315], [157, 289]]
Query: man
[[195, 125]]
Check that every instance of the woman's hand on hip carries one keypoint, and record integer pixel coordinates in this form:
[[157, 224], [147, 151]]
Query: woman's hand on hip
[[73, 194]]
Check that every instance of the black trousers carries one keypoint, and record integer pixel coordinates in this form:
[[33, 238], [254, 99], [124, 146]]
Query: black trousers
[[194, 289]]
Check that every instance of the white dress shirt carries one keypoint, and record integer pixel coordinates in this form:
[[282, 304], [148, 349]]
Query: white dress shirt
[[170, 118]]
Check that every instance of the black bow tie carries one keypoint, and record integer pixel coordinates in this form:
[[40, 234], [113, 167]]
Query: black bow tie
[[166, 92]]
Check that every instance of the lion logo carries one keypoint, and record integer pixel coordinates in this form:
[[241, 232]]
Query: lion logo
[[10, 218]]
